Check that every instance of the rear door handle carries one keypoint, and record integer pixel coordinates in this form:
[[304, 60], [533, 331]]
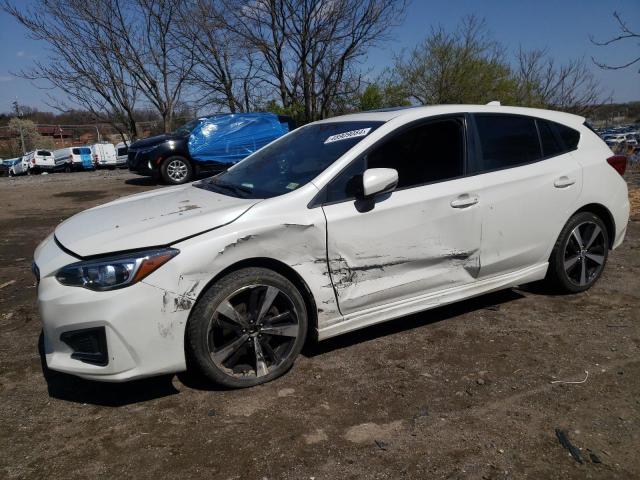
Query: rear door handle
[[563, 182], [465, 200]]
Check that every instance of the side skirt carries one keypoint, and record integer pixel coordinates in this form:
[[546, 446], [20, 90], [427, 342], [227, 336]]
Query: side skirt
[[390, 311]]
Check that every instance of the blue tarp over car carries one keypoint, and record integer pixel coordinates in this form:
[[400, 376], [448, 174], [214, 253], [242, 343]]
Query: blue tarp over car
[[230, 138]]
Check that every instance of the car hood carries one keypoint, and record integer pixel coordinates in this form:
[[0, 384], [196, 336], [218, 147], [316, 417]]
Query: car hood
[[155, 218], [151, 141]]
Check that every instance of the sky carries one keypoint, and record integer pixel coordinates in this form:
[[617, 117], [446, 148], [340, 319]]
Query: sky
[[561, 26]]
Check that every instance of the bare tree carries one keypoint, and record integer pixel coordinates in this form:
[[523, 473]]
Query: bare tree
[[82, 63], [224, 71], [308, 49], [625, 34], [109, 55], [146, 39], [541, 82]]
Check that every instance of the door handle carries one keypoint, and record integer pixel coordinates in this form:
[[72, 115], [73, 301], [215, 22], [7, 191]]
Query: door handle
[[563, 182], [465, 200]]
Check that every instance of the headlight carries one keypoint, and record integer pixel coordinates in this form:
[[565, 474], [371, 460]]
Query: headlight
[[110, 273]]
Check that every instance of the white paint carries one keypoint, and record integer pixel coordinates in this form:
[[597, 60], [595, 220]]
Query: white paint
[[379, 180], [416, 249], [104, 154]]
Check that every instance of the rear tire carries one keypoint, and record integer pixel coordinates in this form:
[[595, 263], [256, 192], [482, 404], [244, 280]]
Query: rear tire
[[247, 328], [579, 255], [176, 170]]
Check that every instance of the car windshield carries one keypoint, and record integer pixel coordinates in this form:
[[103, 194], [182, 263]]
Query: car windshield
[[186, 128], [289, 162]]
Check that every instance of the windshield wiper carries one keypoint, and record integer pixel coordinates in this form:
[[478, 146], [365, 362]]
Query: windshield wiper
[[237, 189]]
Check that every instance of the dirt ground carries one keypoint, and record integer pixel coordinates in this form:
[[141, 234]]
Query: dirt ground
[[461, 392]]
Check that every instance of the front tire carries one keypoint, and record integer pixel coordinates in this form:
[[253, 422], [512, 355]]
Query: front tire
[[176, 170], [579, 255], [247, 328]]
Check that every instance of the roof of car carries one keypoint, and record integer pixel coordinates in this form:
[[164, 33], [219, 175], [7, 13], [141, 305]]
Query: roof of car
[[386, 114]]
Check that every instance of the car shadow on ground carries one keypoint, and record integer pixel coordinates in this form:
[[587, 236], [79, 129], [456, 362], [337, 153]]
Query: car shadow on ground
[[143, 181], [74, 389], [489, 301]]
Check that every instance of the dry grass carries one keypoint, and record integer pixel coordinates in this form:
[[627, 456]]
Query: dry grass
[[634, 199]]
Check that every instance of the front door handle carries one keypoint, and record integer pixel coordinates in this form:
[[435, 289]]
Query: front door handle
[[465, 200], [563, 182]]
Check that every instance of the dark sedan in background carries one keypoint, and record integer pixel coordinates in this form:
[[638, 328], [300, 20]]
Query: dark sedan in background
[[206, 145]]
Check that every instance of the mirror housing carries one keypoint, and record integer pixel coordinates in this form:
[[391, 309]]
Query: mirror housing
[[379, 180]]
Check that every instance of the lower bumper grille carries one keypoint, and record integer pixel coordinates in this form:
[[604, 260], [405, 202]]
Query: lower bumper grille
[[88, 344]]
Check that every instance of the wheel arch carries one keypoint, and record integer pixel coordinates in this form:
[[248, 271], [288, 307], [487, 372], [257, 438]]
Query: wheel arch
[[284, 270], [605, 215]]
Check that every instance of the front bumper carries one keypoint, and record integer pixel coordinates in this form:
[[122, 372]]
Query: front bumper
[[143, 326], [142, 163]]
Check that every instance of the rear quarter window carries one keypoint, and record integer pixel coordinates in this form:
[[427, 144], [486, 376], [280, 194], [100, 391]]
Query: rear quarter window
[[506, 141], [551, 144], [570, 137]]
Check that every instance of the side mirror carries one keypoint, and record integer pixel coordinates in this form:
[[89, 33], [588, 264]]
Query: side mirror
[[379, 180]]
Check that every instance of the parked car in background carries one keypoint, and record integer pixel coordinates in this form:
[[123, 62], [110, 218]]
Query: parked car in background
[[74, 158], [341, 224], [122, 151], [205, 145], [104, 155], [42, 161], [7, 166], [20, 166]]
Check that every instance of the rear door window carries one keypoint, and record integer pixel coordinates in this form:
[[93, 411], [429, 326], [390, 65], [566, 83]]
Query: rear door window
[[506, 141]]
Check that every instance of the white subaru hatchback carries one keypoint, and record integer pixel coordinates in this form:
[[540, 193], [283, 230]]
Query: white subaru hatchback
[[340, 224]]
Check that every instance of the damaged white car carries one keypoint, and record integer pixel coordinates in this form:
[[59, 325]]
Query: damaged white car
[[338, 225]]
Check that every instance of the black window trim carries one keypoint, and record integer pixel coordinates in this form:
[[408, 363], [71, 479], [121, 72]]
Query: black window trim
[[566, 148], [478, 153], [468, 142], [556, 135]]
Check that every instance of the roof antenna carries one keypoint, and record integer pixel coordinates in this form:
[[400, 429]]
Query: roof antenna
[[495, 103]]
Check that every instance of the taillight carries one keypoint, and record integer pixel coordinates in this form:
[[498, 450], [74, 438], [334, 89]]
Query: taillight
[[618, 162]]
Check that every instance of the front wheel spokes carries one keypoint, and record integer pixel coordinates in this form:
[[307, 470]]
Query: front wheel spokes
[[287, 330], [229, 311], [594, 234], [599, 259], [275, 358], [257, 327], [261, 364], [222, 354], [269, 296], [569, 263]]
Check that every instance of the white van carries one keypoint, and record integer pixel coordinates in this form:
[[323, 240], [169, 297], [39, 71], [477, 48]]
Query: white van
[[104, 155], [122, 151], [42, 161], [74, 158]]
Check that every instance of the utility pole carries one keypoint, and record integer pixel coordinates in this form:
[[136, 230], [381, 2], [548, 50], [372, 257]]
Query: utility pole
[[18, 115]]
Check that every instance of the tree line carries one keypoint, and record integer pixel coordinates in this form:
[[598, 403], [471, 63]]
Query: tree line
[[304, 58]]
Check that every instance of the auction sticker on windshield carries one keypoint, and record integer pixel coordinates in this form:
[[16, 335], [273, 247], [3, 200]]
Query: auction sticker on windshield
[[346, 135]]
